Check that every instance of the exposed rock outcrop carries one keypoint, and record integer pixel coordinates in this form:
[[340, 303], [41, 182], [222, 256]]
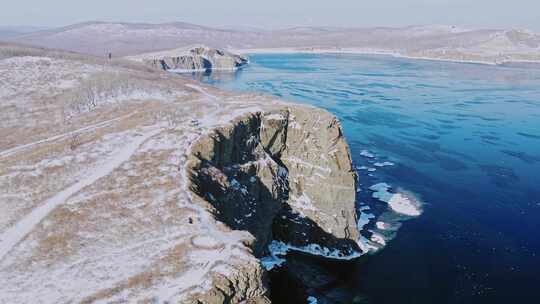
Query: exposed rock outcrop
[[282, 175], [199, 58]]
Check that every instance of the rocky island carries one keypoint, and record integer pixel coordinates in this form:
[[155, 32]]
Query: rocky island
[[196, 58], [123, 183]]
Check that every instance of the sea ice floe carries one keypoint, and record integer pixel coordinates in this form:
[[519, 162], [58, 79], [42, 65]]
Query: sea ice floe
[[382, 225], [364, 220], [366, 153], [383, 164], [399, 202], [367, 245], [270, 262], [278, 249], [316, 249], [378, 238], [364, 208]]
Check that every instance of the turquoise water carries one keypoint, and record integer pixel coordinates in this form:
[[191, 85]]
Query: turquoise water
[[464, 140]]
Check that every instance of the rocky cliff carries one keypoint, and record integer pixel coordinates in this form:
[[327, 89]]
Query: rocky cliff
[[123, 184], [282, 175], [198, 58]]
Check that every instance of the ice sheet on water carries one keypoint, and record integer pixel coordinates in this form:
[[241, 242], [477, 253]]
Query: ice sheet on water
[[364, 219], [383, 164], [279, 249], [401, 202], [367, 246], [366, 153]]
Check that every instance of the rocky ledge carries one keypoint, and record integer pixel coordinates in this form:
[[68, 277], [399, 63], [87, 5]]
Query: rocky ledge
[[127, 184], [197, 58]]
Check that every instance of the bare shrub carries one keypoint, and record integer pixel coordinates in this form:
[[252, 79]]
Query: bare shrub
[[74, 141], [106, 87]]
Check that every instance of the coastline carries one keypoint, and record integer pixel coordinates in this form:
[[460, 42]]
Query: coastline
[[363, 51]]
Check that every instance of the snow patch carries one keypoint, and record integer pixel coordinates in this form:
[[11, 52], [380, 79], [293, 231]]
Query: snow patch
[[12, 236], [302, 202], [275, 117], [205, 241]]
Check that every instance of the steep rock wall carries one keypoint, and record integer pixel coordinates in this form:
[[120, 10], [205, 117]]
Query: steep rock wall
[[282, 175]]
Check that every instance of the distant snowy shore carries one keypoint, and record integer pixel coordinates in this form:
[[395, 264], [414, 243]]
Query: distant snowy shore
[[366, 51]]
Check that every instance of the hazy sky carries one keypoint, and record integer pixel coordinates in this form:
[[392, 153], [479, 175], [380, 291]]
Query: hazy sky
[[278, 13]]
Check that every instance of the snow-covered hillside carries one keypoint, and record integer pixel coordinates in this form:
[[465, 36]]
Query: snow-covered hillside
[[431, 41]]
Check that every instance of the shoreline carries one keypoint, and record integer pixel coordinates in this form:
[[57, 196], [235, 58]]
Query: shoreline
[[352, 51]]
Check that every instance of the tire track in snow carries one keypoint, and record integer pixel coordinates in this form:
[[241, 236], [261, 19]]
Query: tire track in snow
[[202, 91]]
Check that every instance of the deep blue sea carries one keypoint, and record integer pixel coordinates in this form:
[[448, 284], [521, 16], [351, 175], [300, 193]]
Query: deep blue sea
[[464, 140]]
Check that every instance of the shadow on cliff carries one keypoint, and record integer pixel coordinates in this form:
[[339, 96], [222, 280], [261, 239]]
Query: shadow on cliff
[[249, 192]]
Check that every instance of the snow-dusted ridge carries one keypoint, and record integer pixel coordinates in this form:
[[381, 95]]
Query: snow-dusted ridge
[[431, 42]]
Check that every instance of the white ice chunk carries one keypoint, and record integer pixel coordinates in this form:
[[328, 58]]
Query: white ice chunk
[[366, 153], [399, 202], [378, 238], [382, 225], [366, 245]]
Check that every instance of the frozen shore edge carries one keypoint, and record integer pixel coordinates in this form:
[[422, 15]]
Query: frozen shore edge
[[393, 54]]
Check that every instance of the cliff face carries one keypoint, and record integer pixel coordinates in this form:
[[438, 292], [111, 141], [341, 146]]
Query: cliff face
[[282, 175], [125, 184], [198, 58]]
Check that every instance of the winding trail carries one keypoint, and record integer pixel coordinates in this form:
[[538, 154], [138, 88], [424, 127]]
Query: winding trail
[[12, 236], [102, 124]]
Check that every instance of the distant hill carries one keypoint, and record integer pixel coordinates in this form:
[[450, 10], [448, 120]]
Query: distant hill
[[13, 31], [121, 39], [434, 42]]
